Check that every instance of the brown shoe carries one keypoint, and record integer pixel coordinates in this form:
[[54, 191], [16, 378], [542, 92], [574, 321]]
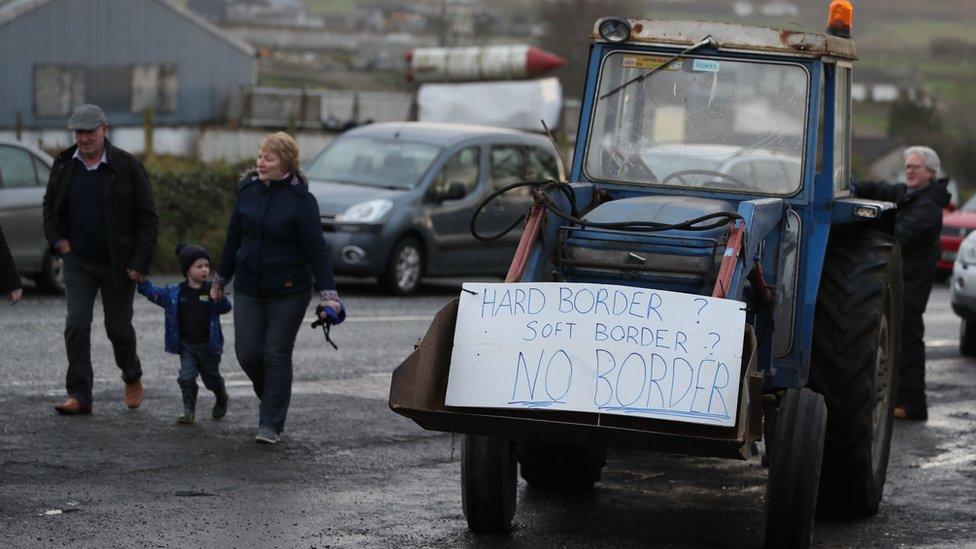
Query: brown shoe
[[133, 393], [902, 412], [73, 407]]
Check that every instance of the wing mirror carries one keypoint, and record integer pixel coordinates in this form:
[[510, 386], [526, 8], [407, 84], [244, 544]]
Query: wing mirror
[[454, 191]]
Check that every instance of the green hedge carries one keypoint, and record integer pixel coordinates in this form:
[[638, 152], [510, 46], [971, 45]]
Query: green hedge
[[194, 201]]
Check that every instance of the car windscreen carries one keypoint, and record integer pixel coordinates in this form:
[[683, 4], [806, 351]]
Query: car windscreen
[[691, 123], [970, 205], [373, 162]]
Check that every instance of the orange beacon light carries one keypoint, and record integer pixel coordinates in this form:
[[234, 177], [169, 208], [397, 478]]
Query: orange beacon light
[[840, 18]]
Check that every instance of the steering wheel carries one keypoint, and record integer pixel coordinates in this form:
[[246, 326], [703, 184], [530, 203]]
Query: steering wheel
[[632, 163], [679, 175]]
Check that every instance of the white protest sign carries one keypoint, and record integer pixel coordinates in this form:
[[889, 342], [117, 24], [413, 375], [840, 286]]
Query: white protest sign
[[597, 348]]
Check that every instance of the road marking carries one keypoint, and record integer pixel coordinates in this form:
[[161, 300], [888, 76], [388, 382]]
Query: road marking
[[354, 319], [374, 386], [226, 320]]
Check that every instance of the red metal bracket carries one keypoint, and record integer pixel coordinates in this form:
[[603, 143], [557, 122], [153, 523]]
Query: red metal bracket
[[732, 250], [758, 280]]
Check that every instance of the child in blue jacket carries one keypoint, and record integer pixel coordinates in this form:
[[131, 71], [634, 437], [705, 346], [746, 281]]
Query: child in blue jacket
[[193, 329]]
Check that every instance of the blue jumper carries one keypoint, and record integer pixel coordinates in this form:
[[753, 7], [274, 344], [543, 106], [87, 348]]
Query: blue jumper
[[169, 298]]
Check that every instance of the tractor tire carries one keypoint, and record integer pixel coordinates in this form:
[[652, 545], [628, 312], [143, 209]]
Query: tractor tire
[[967, 337], [488, 483], [854, 365], [561, 467], [794, 469]]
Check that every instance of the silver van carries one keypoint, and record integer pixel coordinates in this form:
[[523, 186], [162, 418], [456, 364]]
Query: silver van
[[24, 172], [397, 198]]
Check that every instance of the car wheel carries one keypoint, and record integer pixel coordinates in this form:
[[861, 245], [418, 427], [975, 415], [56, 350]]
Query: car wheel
[[51, 277], [967, 338], [406, 266]]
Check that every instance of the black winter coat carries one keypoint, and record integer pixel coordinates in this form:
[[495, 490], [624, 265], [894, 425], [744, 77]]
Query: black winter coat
[[918, 225], [274, 240], [9, 278], [131, 221]]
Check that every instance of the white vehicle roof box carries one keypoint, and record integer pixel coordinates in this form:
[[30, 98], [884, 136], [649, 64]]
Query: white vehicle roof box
[[733, 37]]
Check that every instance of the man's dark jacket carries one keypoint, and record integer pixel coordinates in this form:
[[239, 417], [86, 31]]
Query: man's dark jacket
[[9, 278], [918, 224], [131, 221], [274, 239]]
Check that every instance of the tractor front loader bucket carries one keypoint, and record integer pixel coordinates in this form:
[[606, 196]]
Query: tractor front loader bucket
[[420, 384]]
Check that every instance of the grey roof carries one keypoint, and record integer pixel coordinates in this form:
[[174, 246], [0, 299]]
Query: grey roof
[[16, 8], [734, 37], [436, 133]]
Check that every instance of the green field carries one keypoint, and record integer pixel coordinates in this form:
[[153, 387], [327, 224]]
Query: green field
[[327, 8]]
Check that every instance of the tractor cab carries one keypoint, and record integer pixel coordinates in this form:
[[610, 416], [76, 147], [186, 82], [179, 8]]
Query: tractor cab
[[684, 119]]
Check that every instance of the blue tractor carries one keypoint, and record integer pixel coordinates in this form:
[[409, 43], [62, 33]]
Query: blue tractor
[[711, 159]]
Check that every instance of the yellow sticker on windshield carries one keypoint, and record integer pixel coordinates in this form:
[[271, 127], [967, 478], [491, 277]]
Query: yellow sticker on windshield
[[648, 62]]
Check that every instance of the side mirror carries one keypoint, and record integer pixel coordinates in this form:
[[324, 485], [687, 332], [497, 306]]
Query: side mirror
[[455, 191]]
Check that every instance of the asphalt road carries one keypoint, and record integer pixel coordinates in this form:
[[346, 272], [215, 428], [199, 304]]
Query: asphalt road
[[351, 473]]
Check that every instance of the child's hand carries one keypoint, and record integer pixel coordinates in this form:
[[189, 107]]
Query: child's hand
[[216, 292]]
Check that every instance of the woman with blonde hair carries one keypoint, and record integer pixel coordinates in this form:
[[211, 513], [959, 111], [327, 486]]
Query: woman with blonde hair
[[275, 248]]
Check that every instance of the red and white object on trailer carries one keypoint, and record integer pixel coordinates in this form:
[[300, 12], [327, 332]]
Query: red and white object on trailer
[[470, 64]]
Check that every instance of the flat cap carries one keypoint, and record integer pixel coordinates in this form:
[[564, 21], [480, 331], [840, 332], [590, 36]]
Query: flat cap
[[87, 117]]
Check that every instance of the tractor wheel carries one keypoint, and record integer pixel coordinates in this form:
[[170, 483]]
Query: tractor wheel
[[856, 343], [561, 467], [794, 469], [488, 483], [967, 338]]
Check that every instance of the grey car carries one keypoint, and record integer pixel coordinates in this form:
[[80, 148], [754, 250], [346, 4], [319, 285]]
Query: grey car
[[24, 172], [397, 198]]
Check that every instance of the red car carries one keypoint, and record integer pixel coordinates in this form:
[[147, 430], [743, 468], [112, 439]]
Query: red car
[[956, 224]]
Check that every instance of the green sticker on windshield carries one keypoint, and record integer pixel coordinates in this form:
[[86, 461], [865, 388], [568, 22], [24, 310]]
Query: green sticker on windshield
[[704, 65], [648, 62]]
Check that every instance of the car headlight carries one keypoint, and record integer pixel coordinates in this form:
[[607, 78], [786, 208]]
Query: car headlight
[[614, 29], [371, 211]]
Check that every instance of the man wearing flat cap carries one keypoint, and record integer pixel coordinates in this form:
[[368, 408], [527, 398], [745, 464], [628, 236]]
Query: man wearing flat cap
[[100, 216]]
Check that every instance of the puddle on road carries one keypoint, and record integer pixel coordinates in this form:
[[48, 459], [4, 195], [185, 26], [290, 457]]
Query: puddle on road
[[954, 455]]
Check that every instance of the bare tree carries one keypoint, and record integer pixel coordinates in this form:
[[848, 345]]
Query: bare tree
[[568, 27]]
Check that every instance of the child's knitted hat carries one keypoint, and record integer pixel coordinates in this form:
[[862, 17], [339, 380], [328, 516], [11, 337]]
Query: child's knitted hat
[[188, 254]]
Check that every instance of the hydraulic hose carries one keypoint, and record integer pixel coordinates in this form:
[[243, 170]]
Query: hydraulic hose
[[718, 219]]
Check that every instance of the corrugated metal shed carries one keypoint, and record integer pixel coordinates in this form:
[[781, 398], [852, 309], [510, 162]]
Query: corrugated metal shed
[[125, 55]]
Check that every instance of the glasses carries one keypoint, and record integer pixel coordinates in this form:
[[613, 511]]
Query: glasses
[[913, 166]]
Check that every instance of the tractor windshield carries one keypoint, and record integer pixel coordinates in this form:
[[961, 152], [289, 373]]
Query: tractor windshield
[[717, 124]]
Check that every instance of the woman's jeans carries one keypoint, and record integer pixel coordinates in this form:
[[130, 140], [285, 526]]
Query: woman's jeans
[[264, 337]]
